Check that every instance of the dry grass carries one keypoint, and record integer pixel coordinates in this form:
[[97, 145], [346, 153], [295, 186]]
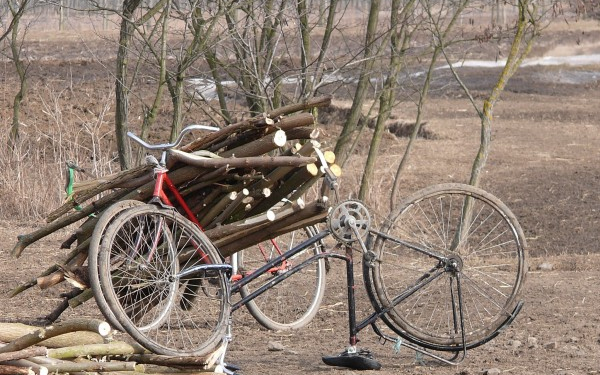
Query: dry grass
[[33, 173]]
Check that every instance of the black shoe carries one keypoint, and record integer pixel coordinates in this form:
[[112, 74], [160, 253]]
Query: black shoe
[[231, 367], [361, 360]]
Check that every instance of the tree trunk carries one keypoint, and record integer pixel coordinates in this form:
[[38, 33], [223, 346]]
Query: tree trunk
[[121, 84], [399, 40], [344, 140], [15, 48]]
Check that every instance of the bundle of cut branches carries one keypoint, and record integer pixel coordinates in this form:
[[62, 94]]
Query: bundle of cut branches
[[244, 183]]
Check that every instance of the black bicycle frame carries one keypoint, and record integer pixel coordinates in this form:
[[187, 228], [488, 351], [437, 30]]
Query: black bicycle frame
[[353, 326]]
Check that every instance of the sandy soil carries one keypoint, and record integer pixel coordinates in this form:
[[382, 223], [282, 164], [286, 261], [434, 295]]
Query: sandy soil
[[543, 165]]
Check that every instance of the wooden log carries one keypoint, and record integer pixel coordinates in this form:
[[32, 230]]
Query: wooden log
[[241, 162], [241, 138], [303, 133], [260, 146], [336, 169], [292, 183], [324, 101], [69, 241], [12, 331], [33, 367], [79, 299], [329, 156], [45, 282], [211, 138], [277, 174], [314, 212], [296, 121], [235, 202], [258, 121], [304, 187], [235, 231], [205, 204], [62, 306], [43, 360], [41, 334], [87, 228], [70, 367], [108, 349], [207, 219], [83, 247], [285, 123], [15, 370], [208, 179], [21, 354], [169, 361]]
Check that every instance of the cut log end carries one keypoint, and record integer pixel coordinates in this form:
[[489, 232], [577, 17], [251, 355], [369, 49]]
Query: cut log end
[[279, 138], [336, 169], [312, 169], [104, 329], [329, 157]]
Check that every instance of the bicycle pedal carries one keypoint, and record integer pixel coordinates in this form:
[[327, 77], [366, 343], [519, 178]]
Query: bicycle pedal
[[361, 360], [231, 367]]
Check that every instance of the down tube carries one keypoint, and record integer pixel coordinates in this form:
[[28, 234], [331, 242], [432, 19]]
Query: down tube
[[288, 254]]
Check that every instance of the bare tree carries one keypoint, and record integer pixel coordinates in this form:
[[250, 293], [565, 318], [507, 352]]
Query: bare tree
[[16, 9], [17, 35]]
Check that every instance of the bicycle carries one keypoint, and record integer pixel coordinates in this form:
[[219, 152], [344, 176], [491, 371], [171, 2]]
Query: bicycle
[[444, 272], [279, 318]]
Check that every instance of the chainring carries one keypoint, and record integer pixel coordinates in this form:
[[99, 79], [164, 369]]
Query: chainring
[[345, 216]]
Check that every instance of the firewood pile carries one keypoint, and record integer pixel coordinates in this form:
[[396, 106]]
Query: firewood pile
[[247, 187], [85, 346]]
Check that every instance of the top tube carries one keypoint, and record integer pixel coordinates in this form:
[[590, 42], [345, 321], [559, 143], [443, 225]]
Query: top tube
[[168, 146]]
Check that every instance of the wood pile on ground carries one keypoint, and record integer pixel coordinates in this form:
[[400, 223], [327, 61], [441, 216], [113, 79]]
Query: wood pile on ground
[[86, 346], [246, 188]]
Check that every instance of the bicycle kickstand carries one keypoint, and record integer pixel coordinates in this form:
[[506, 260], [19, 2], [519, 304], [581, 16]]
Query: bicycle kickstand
[[222, 367]]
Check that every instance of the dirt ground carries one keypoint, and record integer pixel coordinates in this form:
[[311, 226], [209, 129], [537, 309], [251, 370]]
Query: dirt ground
[[543, 165]]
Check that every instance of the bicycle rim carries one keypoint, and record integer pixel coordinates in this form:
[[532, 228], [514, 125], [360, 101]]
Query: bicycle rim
[[294, 302], [144, 250], [484, 238]]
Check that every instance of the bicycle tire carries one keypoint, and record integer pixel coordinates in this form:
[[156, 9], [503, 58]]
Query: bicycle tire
[[104, 220], [490, 253], [144, 249], [283, 307]]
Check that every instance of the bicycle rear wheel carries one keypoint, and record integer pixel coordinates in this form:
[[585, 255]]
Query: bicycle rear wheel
[[294, 302], [140, 267], [477, 294]]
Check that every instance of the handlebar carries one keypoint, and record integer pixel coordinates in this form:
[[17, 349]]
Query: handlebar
[[168, 146]]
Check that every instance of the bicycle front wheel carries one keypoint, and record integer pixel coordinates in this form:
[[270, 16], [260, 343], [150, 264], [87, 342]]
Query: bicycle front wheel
[[294, 302], [141, 266], [107, 217], [472, 299]]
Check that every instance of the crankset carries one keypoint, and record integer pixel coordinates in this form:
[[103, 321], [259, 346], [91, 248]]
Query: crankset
[[349, 220]]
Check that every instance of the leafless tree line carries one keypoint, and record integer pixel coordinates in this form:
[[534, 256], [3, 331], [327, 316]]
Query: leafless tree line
[[224, 57]]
